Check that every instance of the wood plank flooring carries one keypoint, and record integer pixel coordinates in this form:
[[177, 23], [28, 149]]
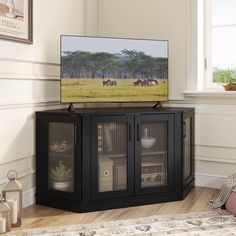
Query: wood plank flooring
[[39, 216]]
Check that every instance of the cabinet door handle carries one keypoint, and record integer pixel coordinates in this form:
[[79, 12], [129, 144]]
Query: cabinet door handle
[[129, 131], [184, 129], [76, 134], [138, 133]]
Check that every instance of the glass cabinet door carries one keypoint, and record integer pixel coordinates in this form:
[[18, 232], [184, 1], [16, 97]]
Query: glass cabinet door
[[153, 154], [188, 148], [155, 159], [110, 159], [63, 155]]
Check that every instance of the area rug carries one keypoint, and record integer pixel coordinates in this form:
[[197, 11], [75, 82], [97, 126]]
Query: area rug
[[218, 223]]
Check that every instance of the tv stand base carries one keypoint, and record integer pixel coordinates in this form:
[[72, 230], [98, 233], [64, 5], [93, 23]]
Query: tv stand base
[[158, 105], [71, 108]]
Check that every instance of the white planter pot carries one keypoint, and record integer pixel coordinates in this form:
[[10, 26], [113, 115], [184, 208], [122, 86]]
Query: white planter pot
[[147, 142], [61, 186]]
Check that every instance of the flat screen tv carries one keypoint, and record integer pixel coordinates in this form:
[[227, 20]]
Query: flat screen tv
[[96, 69]]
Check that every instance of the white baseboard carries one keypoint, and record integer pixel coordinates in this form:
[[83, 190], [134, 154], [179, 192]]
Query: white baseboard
[[209, 181], [28, 197]]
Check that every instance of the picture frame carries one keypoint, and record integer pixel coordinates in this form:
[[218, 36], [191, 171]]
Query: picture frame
[[16, 20]]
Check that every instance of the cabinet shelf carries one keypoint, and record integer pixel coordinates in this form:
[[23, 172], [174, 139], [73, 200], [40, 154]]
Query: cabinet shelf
[[112, 156], [56, 155], [153, 153], [122, 155]]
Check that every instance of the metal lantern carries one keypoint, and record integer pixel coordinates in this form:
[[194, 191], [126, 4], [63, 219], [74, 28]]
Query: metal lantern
[[5, 222], [12, 193]]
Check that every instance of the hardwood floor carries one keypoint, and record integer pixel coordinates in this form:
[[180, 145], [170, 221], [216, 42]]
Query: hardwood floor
[[39, 216]]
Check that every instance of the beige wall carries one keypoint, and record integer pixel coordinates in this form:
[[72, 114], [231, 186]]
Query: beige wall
[[152, 19], [29, 81], [215, 116]]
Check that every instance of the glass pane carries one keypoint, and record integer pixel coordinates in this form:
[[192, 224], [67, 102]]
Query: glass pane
[[154, 154], [223, 12], [187, 148], [61, 156], [112, 157], [223, 46]]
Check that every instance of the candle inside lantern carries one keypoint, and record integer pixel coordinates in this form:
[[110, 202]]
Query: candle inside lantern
[[13, 205], [2, 225]]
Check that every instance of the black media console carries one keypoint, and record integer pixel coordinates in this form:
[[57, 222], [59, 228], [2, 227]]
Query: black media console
[[95, 159]]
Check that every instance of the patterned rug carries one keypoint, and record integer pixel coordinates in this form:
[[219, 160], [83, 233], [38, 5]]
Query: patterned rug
[[218, 223]]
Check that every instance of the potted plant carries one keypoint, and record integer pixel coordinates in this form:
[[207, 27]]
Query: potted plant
[[61, 176], [227, 78]]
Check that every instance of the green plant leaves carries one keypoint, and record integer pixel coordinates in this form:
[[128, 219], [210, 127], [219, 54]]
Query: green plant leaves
[[227, 76], [61, 173]]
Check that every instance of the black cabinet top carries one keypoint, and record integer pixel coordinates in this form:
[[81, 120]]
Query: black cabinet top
[[118, 110]]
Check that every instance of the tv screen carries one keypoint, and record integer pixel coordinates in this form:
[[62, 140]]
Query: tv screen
[[95, 69]]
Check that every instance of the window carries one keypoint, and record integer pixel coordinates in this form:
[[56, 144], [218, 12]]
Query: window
[[220, 38], [211, 42]]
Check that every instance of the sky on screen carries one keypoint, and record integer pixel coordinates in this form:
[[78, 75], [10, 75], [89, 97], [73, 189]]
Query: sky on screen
[[153, 48]]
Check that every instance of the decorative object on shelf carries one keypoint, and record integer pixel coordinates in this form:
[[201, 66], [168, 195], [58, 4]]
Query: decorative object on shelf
[[5, 222], [227, 78], [61, 146], [152, 174], [12, 193], [16, 20], [61, 176], [105, 175], [147, 142]]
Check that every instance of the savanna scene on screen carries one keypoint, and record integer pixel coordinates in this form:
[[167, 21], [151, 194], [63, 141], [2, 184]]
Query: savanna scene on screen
[[113, 70]]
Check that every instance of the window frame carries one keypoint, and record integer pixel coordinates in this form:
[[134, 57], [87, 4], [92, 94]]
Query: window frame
[[199, 47], [195, 50]]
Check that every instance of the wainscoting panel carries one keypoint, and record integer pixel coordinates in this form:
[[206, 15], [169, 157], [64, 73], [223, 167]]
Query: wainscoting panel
[[17, 91], [24, 166], [215, 154], [22, 69], [17, 139], [216, 129], [214, 168]]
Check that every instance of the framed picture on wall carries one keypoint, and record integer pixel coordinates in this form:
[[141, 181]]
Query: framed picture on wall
[[16, 20]]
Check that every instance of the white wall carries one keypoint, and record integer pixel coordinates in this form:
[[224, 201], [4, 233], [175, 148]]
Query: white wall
[[215, 117], [29, 81]]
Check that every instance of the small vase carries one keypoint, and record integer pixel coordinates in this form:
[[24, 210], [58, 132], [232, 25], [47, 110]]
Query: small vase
[[147, 142]]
